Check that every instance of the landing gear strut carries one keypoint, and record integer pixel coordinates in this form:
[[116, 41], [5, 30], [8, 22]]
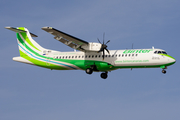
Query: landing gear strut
[[164, 71], [104, 75]]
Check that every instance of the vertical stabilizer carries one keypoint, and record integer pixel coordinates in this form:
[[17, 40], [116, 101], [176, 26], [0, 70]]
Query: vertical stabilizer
[[25, 42]]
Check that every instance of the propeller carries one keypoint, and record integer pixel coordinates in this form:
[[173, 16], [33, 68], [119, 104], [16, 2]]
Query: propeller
[[103, 46]]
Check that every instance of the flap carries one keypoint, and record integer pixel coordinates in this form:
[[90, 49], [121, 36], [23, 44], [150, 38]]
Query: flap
[[67, 39]]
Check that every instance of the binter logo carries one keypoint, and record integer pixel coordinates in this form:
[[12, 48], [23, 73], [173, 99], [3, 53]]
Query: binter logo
[[137, 51]]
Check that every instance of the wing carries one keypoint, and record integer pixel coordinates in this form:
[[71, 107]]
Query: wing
[[67, 39]]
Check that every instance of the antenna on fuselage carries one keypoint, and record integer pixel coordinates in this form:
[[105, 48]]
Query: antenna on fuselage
[[132, 46]]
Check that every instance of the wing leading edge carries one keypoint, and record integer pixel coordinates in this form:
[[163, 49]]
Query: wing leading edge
[[67, 39]]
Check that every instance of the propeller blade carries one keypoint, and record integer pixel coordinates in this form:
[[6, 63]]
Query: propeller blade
[[98, 40], [103, 37], [103, 55], [101, 49], [107, 50], [107, 41]]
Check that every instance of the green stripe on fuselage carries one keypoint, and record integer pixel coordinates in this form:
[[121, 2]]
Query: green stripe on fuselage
[[167, 56], [24, 34], [82, 64], [144, 66], [27, 47], [42, 63]]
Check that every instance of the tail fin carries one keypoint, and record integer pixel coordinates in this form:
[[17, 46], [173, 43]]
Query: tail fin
[[25, 41]]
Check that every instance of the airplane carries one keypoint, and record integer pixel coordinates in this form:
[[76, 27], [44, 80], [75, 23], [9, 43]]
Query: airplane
[[90, 57]]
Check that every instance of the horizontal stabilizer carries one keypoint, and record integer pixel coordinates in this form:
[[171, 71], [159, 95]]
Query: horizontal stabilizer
[[19, 31], [20, 59]]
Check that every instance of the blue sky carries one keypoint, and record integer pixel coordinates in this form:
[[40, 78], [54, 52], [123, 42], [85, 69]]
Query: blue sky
[[30, 92]]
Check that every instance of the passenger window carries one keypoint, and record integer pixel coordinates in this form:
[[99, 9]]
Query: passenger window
[[119, 55], [75, 56], [86, 56], [99, 55], [82, 56], [109, 55], [96, 56], [79, 56], [122, 55], [66, 57], [136, 54], [72, 56], [89, 56], [132, 54], [112, 55], [129, 55], [126, 55], [155, 52], [105, 55], [92, 56]]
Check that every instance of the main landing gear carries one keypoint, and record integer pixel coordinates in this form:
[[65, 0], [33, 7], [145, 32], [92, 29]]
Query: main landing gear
[[103, 75], [89, 71]]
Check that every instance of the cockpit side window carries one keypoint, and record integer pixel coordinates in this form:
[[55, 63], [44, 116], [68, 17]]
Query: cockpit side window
[[164, 52], [159, 52]]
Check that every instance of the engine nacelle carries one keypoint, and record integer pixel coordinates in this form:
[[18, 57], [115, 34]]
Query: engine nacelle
[[92, 47]]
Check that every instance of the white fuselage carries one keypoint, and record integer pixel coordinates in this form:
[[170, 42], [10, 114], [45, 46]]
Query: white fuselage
[[134, 57]]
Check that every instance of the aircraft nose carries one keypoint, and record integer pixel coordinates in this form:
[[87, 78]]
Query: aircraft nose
[[172, 60]]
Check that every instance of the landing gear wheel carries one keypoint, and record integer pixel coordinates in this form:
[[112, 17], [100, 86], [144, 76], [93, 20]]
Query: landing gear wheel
[[104, 75], [89, 71], [164, 71]]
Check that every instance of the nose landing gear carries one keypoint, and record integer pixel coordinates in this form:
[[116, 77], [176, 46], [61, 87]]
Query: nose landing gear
[[164, 71]]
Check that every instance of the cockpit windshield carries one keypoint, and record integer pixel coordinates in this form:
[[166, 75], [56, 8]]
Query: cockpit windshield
[[160, 52]]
